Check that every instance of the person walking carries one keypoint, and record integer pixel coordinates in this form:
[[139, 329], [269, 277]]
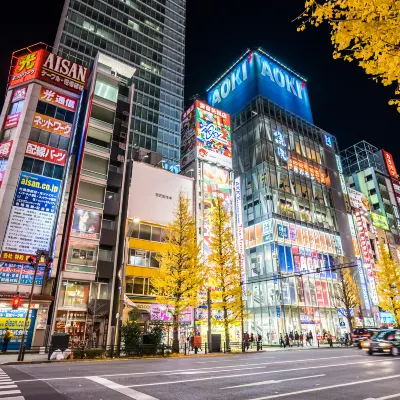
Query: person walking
[[259, 342], [6, 339], [291, 337], [330, 341], [282, 341], [251, 340], [287, 342], [302, 339], [297, 338], [246, 340], [310, 338]]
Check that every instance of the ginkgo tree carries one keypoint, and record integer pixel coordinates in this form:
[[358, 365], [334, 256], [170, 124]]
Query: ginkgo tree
[[388, 283], [224, 270], [366, 31], [181, 274]]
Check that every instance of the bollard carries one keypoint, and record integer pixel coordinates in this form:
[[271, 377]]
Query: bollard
[[205, 348], [162, 349], [224, 347], [185, 349], [318, 342], [49, 354]]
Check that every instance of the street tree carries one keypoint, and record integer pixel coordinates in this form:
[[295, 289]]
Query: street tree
[[388, 283], [181, 273], [224, 269], [348, 296], [366, 31]]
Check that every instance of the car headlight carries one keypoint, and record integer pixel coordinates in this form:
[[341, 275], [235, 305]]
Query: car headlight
[[384, 345]]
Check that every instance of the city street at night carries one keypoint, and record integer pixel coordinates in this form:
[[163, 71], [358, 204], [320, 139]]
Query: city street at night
[[296, 374]]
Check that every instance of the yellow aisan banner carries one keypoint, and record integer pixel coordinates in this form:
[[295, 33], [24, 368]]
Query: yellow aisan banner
[[14, 323]]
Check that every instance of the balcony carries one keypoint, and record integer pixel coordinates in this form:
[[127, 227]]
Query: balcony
[[108, 237], [97, 150], [94, 177], [105, 269], [99, 124], [111, 207], [90, 203], [114, 179]]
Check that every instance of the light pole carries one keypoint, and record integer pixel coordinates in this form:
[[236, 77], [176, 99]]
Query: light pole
[[209, 338], [35, 264]]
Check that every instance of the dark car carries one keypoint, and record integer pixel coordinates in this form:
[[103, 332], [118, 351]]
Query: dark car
[[359, 335], [386, 341]]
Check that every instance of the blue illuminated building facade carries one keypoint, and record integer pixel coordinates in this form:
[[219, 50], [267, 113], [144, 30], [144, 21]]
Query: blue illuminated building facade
[[294, 201]]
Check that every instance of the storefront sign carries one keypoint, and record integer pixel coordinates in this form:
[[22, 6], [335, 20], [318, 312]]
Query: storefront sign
[[240, 234], [11, 120], [390, 164], [86, 224], [379, 221], [31, 221], [162, 312], [358, 200], [52, 125], [58, 99], [46, 153], [51, 68], [5, 148], [268, 231], [42, 316], [19, 94], [304, 168], [386, 318]]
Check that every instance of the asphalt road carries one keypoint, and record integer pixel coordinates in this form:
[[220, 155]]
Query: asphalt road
[[296, 374]]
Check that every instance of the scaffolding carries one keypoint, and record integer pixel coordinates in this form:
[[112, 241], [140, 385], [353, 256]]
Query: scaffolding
[[359, 157]]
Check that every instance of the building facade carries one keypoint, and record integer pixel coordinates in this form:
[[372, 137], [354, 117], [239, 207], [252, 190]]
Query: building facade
[[292, 202], [149, 36]]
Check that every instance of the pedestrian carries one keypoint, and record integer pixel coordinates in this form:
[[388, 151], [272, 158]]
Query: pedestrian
[[287, 342], [6, 339], [330, 341], [310, 338], [259, 342], [246, 340], [251, 340], [302, 339], [297, 338], [282, 341], [291, 338]]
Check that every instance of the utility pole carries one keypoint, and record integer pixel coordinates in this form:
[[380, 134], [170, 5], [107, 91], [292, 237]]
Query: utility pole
[[35, 264], [209, 320]]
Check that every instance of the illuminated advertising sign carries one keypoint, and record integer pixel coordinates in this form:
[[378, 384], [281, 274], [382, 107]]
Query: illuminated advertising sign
[[19, 94], [206, 134], [343, 184], [307, 169], [5, 148], [396, 189], [259, 73], [240, 233], [379, 221], [46, 153], [86, 224], [358, 200], [52, 125], [215, 183], [390, 164], [58, 99], [11, 120], [3, 167], [50, 68], [31, 221]]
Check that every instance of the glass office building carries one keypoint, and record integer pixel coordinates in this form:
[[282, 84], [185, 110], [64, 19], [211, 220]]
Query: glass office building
[[149, 35]]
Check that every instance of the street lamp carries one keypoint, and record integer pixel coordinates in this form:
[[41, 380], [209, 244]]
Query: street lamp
[[191, 170], [136, 220], [142, 158]]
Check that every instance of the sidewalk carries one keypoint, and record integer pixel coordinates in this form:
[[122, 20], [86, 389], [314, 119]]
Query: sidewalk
[[12, 357]]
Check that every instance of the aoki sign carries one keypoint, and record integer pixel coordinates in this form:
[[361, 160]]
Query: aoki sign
[[259, 73]]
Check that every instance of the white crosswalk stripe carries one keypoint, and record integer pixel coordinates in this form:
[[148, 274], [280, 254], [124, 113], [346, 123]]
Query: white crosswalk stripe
[[7, 383]]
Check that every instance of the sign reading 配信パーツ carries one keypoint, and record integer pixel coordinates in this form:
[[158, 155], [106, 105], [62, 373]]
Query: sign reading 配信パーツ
[[58, 99], [45, 153], [50, 68], [33, 213], [52, 125]]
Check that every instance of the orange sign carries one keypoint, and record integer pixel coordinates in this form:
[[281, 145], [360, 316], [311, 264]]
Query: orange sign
[[17, 257], [52, 125], [310, 171], [27, 68], [58, 99], [390, 164]]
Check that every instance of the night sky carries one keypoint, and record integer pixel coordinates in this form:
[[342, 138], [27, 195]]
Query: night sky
[[344, 100]]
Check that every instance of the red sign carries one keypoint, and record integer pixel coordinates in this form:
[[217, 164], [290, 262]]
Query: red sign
[[5, 148], [17, 257], [390, 164], [51, 68], [11, 120], [53, 125], [46, 153], [58, 99], [19, 94]]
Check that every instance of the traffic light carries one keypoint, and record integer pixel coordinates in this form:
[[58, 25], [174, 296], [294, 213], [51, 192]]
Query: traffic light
[[16, 302]]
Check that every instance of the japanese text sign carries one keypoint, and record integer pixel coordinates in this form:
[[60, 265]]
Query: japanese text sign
[[19, 94], [46, 153], [57, 99], [390, 164], [5, 148], [52, 125], [11, 120]]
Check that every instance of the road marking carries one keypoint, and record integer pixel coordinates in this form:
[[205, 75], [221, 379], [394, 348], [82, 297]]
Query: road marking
[[327, 387], [228, 360], [191, 369], [13, 398], [255, 373], [391, 396], [7, 387], [273, 381], [4, 381], [133, 394], [9, 392]]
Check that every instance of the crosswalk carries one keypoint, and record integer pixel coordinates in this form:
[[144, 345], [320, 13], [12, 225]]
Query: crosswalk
[[8, 388]]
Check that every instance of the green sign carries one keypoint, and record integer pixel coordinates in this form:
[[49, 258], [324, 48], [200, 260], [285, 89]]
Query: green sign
[[379, 221]]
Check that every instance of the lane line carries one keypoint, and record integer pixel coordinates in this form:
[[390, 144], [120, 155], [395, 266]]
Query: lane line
[[273, 381], [255, 373], [7, 387], [327, 387], [224, 361], [133, 394], [391, 396], [13, 398], [10, 392], [192, 369]]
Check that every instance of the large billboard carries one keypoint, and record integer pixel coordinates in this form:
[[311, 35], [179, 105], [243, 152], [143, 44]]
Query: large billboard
[[32, 216], [255, 73], [154, 193], [206, 135], [50, 68]]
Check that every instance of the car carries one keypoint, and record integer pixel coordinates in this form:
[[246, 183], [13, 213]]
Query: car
[[385, 341], [359, 335]]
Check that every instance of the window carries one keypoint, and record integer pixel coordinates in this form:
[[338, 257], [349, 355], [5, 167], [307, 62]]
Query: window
[[74, 294], [82, 257], [145, 232], [372, 192], [368, 178], [105, 255], [143, 258], [138, 286]]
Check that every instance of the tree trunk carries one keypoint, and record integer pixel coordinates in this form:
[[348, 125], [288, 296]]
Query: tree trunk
[[350, 321], [226, 326], [175, 335]]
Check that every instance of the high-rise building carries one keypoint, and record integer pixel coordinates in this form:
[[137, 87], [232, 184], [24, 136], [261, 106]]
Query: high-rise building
[[148, 35], [291, 200]]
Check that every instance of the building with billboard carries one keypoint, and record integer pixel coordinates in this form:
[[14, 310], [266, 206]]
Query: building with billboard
[[291, 198], [149, 36], [153, 198], [38, 125], [88, 241]]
